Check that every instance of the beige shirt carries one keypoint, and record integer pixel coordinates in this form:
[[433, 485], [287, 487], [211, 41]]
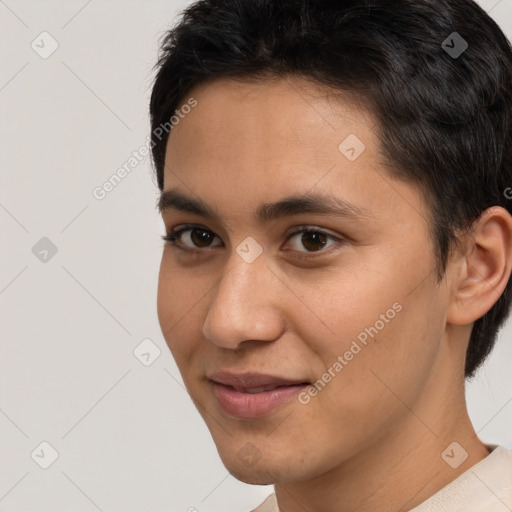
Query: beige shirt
[[484, 487]]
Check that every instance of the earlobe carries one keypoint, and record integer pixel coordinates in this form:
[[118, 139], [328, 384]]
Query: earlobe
[[486, 268]]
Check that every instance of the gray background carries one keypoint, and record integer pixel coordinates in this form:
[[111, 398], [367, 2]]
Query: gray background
[[127, 435]]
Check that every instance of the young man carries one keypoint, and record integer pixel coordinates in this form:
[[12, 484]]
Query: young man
[[335, 181]]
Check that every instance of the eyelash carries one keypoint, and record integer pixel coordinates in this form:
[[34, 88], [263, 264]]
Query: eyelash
[[173, 238]]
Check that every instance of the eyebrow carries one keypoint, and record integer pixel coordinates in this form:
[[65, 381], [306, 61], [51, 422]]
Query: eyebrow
[[323, 204]]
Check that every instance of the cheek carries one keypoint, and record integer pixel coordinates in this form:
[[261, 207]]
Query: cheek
[[177, 305], [351, 308], [166, 297], [387, 323], [388, 350]]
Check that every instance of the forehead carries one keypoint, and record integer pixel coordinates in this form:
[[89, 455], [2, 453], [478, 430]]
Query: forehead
[[289, 107], [274, 124], [246, 143]]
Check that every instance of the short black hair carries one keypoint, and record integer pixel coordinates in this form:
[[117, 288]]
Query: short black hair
[[444, 111]]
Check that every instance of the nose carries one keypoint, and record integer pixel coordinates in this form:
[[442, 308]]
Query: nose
[[245, 305]]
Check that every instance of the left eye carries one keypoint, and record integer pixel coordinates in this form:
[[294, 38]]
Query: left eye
[[312, 239]]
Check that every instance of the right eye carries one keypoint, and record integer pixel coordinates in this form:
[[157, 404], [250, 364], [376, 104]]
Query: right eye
[[197, 237]]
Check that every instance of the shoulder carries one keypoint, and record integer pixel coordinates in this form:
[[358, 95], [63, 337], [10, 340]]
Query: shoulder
[[485, 487]]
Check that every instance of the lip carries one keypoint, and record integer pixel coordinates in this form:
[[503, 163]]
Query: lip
[[233, 397], [246, 380]]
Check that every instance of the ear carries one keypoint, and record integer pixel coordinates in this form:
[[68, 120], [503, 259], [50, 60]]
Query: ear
[[484, 268]]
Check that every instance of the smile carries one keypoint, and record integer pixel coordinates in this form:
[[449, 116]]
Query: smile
[[256, 402]]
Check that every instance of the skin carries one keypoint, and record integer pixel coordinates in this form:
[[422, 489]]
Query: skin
[[372, 438]]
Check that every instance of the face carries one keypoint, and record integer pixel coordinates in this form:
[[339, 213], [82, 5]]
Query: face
[[332, 309]]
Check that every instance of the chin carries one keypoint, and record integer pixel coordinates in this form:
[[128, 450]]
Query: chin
[[252, 476], [264, 471]]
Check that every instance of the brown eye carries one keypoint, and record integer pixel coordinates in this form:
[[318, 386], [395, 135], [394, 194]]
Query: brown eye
[[201, 237], [312, 240], [192, 237]]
